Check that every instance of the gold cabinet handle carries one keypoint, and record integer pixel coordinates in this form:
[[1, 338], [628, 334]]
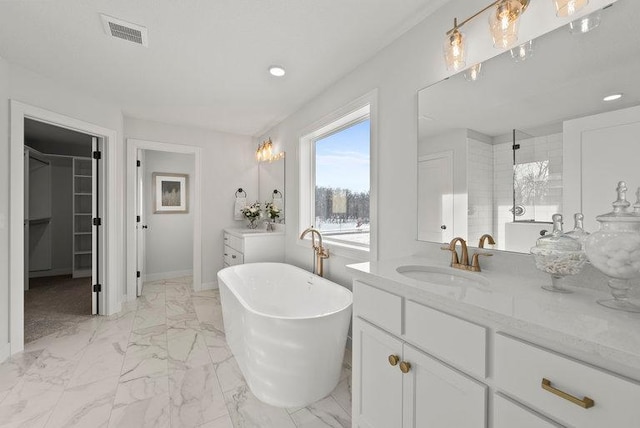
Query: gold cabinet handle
[[405, 367], [586, 402], [393, 360]]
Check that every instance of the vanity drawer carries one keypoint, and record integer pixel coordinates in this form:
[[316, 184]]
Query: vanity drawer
[[232, 256], [234, 242], [379, 307], [508, 414], [520, 369], [453, 340]]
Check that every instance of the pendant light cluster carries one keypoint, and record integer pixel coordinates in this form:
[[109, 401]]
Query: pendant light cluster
[[504, 18]]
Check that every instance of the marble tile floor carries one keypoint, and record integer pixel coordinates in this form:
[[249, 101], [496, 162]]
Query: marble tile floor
[[161, 362]]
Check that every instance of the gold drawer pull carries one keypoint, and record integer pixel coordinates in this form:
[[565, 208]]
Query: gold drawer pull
[[393, 360], [405, 367], [586, 402]]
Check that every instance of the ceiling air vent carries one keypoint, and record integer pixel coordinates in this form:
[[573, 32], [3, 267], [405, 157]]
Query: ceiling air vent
[[124, 30]]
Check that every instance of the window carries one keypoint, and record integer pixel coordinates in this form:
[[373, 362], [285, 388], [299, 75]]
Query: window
[[342, 184], [335, 184]]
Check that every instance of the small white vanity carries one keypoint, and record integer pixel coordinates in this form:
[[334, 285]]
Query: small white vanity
[[433, 347], [252, 246]]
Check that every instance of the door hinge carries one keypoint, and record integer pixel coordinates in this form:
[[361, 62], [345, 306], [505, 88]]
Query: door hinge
[[97, 221], [97, 155], [515, 147], [137, 219], [97, 288], [138, 163], [138, 274]]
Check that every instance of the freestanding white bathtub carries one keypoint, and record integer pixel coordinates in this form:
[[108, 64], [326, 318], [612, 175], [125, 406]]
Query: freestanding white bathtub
[[287, 328]]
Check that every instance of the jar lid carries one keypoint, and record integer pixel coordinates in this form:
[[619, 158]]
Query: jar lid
[[621, 206], [557, 240]]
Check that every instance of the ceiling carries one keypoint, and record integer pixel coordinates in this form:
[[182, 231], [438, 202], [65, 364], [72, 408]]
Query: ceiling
[[206, 63], [567, 77]]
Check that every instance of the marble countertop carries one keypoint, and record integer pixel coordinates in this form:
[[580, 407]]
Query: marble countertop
[[573, 324], [260, 231]]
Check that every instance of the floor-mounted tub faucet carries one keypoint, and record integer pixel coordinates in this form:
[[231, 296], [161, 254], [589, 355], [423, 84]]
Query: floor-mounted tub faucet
[[321, 253]]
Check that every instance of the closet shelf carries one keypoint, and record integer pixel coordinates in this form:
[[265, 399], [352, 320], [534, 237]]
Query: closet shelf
[[39, 220]]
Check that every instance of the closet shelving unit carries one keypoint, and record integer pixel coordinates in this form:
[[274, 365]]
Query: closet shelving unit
[[82, 216]]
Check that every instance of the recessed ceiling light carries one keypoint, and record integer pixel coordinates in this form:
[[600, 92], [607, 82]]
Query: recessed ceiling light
[[612, 97], [276, 70]]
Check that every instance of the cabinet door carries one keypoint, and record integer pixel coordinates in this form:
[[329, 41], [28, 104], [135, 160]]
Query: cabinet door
[[377, 385], [438, 396]]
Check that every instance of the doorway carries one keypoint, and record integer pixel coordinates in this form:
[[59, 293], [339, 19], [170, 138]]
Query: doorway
[[108, 303], [60, 202], [144, 158]]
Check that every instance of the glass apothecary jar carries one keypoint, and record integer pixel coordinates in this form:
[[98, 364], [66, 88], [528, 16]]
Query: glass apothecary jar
[[559, 256], [615, 250]]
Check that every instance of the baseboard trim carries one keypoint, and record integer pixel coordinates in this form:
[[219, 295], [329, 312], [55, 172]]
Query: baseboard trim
[[50, 272], [5, 352], [167, 275], [213, 285]]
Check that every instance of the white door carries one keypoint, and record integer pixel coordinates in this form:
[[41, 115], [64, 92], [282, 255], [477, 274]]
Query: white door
[[141, 227], [377, 385], [26, 219], [96, 227], [438, 396], [435, 197], [599, 151]]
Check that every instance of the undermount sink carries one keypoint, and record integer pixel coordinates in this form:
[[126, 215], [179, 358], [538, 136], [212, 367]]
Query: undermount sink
[[443, 276]]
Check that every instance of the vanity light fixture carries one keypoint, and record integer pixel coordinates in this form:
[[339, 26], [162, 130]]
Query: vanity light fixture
[[277, 71], [566, 8], [265, 152], [586, 23], [522, 52], [503, 24], [454, 49], [612, 97], [473, 73]]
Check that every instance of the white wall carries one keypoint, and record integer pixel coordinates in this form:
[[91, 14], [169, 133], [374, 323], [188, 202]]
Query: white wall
[[227, 163], [169, 238], [398, 72], [4, 206]]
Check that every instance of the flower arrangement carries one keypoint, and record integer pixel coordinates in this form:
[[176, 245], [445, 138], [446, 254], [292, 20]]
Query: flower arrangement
[[272, 210], [252, 213]]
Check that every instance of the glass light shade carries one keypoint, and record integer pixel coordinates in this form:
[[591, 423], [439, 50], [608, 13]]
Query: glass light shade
[[566, 8], [473, 73], [585, 24], [454, 50], [522, 52], [503, 23]]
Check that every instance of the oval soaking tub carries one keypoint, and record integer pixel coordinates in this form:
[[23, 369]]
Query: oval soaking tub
[[287, 328]]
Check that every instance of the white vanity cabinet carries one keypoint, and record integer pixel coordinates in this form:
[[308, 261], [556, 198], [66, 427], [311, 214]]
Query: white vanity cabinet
[[250, 246], [477, 372], [397, 384]]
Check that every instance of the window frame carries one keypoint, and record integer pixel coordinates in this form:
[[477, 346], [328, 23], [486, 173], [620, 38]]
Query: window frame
[[351, 114]]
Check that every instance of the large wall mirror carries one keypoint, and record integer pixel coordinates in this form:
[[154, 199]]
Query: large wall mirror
[[271, 183], [529, 138]]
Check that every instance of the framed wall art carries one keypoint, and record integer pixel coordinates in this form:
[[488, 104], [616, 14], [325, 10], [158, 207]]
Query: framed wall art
[[170, 193]]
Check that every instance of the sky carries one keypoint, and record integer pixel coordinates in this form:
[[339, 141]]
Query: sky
[[342, 159]]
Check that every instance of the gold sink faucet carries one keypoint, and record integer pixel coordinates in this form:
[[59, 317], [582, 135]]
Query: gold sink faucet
[[321, 253], [488, 238], [462, 263]]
